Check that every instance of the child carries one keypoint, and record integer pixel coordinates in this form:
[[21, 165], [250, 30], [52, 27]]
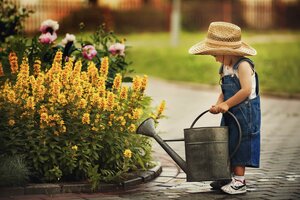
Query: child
[[239, 95]]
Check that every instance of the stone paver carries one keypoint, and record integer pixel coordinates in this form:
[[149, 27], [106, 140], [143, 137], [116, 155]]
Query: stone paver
[[278, 177]]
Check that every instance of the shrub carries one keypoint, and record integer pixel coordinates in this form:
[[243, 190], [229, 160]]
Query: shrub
[[101, 43], [11, 19], [13, 171], [69, 125]]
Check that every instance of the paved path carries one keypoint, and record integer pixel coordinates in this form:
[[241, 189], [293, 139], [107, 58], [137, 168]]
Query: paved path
[[278, 177]]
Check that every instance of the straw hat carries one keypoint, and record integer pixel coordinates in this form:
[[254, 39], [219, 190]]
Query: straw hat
[[222, 39]]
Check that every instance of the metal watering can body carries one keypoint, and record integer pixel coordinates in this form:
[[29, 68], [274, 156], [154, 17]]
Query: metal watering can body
[[206, 150]]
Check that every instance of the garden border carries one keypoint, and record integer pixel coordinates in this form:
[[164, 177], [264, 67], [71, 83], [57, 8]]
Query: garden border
[[134, 179]]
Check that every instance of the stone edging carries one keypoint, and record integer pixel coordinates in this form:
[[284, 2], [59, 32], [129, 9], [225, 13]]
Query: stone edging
[[134, 179]]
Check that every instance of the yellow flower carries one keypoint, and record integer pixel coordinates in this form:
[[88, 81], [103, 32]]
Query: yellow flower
[[11, 96], [124, 92], [102, 103], [110, 101], [86, 118], [136, 113], [136, 83], [161, 108], [44, 117], [75, 147], [132, 128], [37, 67], [62, 99], [82, 103], [56, 133], [30, 103], [104, 67], [11, 122], [1, 70], [144, 83], [127, 153], [13, 61], [117, 82], [63, 129]]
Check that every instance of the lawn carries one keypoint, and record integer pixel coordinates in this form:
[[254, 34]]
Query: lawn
[[277, 62]]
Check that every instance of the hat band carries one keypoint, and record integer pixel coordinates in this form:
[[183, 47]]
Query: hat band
[[214, 43]]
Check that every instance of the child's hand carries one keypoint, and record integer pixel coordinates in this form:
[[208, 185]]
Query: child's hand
[[214, 109], [222, 107]]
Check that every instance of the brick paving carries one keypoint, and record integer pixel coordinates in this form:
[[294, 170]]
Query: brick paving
[[278, 177]]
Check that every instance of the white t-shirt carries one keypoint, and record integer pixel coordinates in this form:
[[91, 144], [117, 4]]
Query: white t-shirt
[[231, 71]]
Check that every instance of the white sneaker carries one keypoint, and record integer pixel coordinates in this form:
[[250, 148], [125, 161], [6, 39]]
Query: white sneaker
[[235, 187]]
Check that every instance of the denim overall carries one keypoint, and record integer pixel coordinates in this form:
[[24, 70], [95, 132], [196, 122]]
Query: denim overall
[[249, 117]]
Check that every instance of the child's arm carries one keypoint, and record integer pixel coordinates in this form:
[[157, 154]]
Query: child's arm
[[245, 71], [213, 108]]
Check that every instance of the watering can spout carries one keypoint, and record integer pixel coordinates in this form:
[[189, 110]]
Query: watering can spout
[[147, 128]]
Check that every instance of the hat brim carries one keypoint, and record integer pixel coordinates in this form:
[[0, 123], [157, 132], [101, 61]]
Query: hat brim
[[202, 48]]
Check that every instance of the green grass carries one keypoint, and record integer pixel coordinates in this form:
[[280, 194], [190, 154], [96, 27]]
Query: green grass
[[277, 62]]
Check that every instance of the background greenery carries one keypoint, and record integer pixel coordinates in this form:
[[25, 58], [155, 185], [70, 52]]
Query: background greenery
[[277, 62]]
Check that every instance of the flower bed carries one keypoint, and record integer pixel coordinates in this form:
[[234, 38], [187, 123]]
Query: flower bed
[[73, 118]]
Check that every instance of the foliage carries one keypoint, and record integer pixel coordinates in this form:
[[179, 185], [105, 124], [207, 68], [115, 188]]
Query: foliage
[[277, 68], [100, 44], [13, 171], [69, 125], [11, 19]]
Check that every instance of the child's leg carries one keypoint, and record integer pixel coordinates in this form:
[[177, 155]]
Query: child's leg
[[237, 185], [239, 170]]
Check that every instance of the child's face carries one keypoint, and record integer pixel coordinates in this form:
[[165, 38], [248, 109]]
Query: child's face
[[219, 58]]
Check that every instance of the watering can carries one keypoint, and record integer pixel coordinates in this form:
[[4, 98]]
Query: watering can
[[206, 149]]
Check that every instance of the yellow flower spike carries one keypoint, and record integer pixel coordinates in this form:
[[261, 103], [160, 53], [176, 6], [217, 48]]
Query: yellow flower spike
[[117, 81], [11, 122], [144, 83], [44, 117], [102, 103], [92, 73], [86, 118], [41, 91], [78, 66], [75, 147], [82, 103], [63, 129], [1, 70], [110, 101], [136, 113], [56, 133], [37, 67], [13, 61], [62, 99], [136, 84], [127, 153], [161, 108], [124, 92], [104, 67], [30, 104], [11, 97], [79, 91], [132, 128]]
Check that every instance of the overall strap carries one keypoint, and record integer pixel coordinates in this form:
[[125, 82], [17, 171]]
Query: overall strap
[[236, 66]]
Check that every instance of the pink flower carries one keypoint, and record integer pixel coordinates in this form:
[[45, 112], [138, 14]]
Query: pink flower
[[49, 25], [48, 28], [68, 38], [47, 38], [89, 52], [117, 49]]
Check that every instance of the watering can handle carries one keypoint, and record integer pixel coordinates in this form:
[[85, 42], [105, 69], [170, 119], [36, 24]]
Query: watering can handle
[[237, 123]]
